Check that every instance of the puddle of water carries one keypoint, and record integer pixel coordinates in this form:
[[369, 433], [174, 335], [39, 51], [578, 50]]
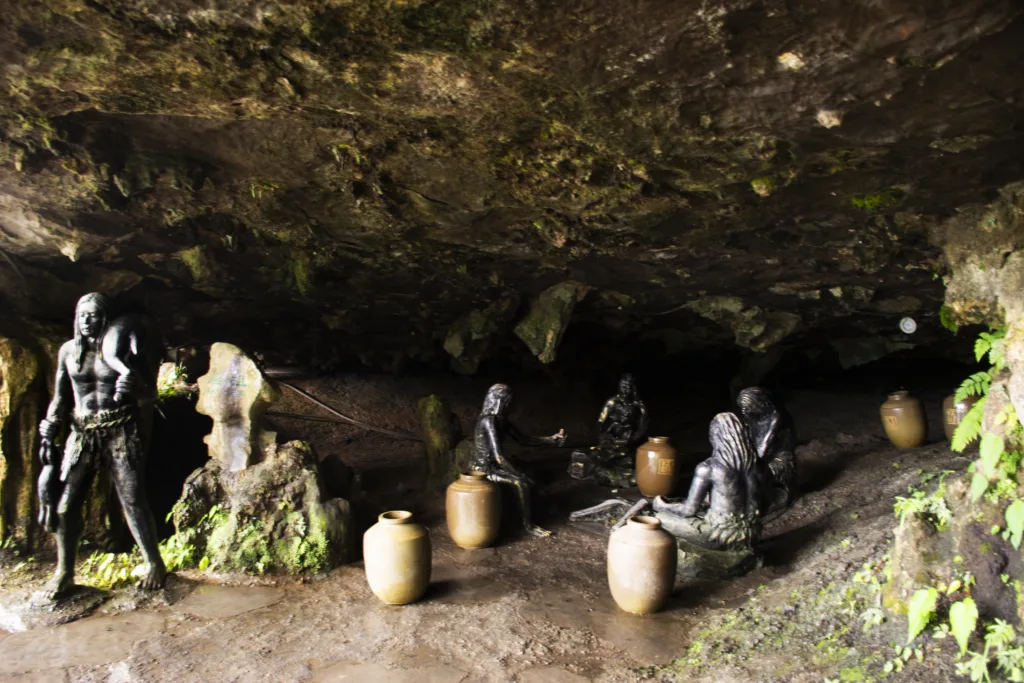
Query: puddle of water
[[549, 674], [352, 672], [89, 642], [211, 601]]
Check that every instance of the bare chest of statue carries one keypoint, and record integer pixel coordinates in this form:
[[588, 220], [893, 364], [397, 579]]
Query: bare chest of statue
[[93, 383]]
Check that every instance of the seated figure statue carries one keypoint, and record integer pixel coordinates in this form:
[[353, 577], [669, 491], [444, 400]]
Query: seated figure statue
[[774, 439], [621, 427], [490, 458], [733, 479]]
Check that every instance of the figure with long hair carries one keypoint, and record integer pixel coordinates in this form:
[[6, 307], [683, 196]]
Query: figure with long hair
[[97, 394], [490, 458], [774, 439]]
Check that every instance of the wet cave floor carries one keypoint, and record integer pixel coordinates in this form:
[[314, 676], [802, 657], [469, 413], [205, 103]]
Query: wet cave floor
[[534, 610]]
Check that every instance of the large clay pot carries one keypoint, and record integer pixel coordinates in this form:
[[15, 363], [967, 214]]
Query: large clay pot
[[473, 506], [903, 419], [641, 565], [953, 412], [396, 554], [656, 467]]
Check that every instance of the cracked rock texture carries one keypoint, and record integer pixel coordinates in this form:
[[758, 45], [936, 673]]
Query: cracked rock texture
[[364, 175]]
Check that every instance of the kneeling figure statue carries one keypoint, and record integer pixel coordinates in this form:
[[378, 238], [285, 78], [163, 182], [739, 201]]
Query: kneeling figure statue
[[96, 388], [621, 427]]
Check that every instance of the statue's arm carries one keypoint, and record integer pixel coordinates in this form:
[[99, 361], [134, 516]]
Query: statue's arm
[[645, 422], [698, 489], [527, 440], [63, 397], [608, 405], [493, 443]]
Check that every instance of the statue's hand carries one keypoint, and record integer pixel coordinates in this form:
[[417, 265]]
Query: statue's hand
[[46, 453], [48, 430], [559, 438], [123, 389]]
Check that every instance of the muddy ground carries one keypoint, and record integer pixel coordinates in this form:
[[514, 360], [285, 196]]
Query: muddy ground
[[532, 610]]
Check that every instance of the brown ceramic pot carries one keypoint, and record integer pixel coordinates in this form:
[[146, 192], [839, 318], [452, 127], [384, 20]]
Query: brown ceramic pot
[[641, 565], [656, 467], [473, 506], [903, 419], [953, 412], [396, 555]]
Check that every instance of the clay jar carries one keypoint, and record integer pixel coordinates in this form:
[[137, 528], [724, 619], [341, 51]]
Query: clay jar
[[396, 554], [641, 565], [473, 507], [903, 419], [953, 412], [656, 467]]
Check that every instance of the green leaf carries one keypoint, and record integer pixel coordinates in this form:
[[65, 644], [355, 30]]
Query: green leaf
[[1015, 522], [990, 450], [920, 611], [970, 427], [975, 385], [204, 563], [981, 346], [979, 484], [963, 619]]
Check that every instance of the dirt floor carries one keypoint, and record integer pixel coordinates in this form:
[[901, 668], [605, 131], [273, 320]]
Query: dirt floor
[[533, 610]]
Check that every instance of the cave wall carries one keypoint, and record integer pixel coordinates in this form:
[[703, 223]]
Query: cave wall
[[346, 181]]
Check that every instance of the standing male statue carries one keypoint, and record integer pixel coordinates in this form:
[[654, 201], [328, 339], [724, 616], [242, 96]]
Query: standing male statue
[[96, 390]]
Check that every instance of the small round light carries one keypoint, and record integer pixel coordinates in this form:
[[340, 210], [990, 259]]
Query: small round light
[[908, 325]]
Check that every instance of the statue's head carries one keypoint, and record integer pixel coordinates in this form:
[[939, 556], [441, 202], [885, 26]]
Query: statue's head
[[92, 313], [91, 316], [627, 387], [497, 400], [755, 402], [730, 443]]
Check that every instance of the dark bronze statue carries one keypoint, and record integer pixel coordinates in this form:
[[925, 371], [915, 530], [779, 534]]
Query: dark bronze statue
[[97, 391], [489, 458], [621, 428], [773, 436], [733, 481]]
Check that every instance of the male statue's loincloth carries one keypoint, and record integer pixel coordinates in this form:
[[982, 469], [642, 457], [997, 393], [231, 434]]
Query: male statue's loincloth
[[109, 438]]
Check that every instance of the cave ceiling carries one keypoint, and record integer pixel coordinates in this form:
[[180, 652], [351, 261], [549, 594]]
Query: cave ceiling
[[403, 179]]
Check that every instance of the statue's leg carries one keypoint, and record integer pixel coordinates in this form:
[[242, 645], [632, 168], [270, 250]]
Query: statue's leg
[[69, 529], [599, 511], [523, 493], [128, 481], [631, 512]]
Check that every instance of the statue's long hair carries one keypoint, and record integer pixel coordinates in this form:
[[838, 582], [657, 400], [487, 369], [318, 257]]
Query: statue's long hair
[[761, 415], [730, 443], [102, 305], [497, 398]]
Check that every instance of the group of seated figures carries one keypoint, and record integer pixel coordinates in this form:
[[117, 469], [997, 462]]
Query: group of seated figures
[[751, 472]]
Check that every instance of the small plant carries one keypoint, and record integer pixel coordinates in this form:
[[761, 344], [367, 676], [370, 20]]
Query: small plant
[[110, 570], [1001, 649], [963, 618], [920, 611]]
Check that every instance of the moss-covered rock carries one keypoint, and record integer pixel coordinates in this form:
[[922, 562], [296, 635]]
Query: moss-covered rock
[[549, 315], [22, 396], [272, 517], [440, 432]]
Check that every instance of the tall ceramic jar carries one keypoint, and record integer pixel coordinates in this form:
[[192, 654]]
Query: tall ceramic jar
[[473, 506], [903, 419], [396, 554], [656, 467], [641, 565], [953, 412]]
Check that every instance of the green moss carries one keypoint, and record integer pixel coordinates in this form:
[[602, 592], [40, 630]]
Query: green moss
[[877, 201], [948, 319], [763, 186], [195, 260], [300, 274]]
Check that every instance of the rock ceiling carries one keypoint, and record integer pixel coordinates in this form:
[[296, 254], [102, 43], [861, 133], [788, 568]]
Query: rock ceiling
[[413, 179]]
